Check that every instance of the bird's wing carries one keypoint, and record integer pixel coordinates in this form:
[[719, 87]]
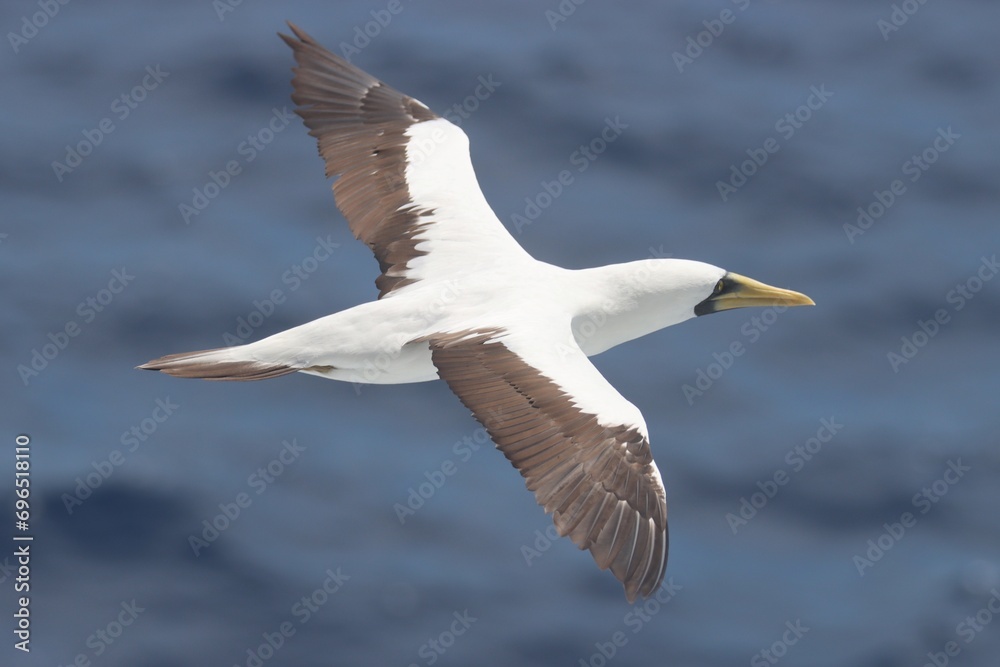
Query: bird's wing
[[406, 186], [581, 447]]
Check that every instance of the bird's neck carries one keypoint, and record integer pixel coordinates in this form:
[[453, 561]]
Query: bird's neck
[[622, 302]]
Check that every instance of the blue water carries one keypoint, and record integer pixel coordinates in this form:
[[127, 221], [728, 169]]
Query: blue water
[[406, 593]]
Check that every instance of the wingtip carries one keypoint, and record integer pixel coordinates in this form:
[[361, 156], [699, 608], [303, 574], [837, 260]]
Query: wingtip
[[301, 34], [151, 365]]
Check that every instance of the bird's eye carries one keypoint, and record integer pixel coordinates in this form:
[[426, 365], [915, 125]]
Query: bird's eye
[[718, 286]]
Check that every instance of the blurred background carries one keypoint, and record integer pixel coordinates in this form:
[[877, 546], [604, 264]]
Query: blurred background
[[832, 485]]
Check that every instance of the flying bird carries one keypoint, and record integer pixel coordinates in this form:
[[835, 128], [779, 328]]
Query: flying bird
[[461, 300]]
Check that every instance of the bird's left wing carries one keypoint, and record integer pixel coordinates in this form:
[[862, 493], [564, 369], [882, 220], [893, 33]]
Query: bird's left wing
[[581, 447], [406, 186]]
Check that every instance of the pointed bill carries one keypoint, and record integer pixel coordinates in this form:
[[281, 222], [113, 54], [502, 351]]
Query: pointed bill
[[736, 291]]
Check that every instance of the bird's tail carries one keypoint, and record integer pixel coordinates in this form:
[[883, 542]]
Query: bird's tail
[[225, 363]]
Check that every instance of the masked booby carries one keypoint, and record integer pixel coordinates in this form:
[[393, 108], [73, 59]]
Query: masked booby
[[461, 300]]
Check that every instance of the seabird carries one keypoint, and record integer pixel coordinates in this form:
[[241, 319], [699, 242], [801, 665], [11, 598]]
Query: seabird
[[460, 300]]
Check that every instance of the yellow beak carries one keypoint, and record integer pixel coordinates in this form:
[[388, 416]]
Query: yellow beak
[[736, 291]]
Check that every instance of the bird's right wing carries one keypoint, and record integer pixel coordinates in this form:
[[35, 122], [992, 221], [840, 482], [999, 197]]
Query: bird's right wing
[[406, 186], [581, 447]]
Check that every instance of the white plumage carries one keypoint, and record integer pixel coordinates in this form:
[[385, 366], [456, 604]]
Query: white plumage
[[462, 301]]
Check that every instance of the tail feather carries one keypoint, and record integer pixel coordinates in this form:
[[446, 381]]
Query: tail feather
[[218, 364]]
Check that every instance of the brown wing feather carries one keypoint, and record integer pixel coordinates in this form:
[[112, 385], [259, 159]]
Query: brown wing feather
[[598, 482], [359, 123]]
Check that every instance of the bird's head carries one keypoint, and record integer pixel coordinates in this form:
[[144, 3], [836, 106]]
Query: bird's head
[[679, 289], [661, 292], [689, 288]]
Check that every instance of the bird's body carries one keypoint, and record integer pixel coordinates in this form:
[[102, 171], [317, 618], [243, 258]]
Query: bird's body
[[461, 300], [386, 341]]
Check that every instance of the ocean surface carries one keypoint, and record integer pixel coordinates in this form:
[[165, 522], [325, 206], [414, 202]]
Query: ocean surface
[[831, 472]]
